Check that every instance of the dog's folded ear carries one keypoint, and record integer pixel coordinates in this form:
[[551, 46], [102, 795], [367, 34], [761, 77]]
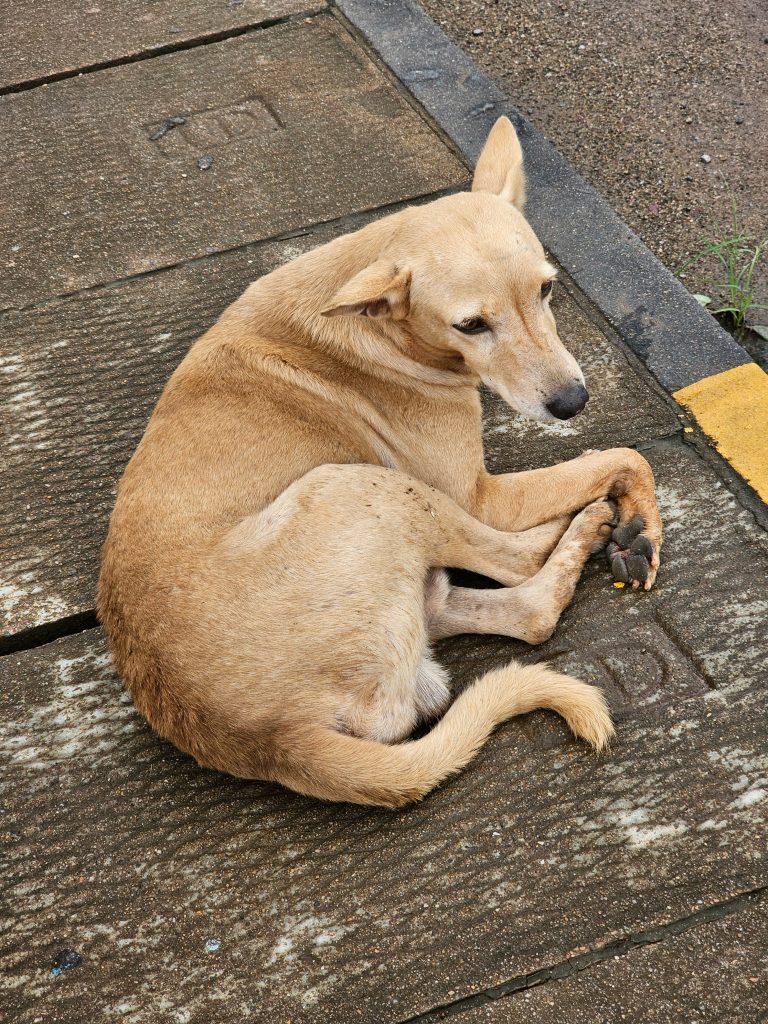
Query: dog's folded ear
[[380, 290], [500, 165]]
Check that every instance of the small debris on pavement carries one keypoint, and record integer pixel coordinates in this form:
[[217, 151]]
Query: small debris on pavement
[[482, 109], [204, 162], [212, 945], [168, 125], [422, 75], [706, 158], [65, 960], [477, 31]]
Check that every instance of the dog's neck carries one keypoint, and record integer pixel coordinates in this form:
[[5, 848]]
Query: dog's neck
[[285, 307]]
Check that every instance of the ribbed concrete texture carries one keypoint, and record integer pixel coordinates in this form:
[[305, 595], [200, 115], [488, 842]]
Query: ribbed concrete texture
[[124, 852]]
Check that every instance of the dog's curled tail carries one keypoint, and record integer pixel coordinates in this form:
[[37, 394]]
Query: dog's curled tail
[[334, 766]]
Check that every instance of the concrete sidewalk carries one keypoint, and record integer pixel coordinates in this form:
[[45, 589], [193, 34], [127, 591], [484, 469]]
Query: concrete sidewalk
[[193, 155]]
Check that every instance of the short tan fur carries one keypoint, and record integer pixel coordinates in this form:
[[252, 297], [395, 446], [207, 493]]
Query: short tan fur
[[274, 572]]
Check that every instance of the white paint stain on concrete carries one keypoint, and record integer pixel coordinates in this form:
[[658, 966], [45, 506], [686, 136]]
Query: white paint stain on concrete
[[752, 796], [644, 837], [25, 416], [89, 717]]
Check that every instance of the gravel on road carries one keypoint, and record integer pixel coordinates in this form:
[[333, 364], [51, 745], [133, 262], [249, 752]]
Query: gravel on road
[[637, 96]]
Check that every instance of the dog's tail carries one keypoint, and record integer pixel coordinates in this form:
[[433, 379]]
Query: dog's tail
[[333, 766]]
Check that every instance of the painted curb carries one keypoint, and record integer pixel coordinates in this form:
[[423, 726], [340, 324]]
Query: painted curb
[[677, 340], [732, 408]]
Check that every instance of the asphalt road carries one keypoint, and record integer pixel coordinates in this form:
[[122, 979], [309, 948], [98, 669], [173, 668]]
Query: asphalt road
[[635, 95]]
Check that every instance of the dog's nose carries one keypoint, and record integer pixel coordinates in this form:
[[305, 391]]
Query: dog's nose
[[568, 401]]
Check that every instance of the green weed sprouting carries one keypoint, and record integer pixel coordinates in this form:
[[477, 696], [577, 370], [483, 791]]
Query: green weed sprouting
[[739, 256]]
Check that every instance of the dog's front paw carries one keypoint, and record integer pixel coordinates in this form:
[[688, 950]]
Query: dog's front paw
[[595, 524], [631, 555]]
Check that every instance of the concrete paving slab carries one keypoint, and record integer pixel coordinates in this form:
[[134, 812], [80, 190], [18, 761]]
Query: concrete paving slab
[[122, 851], [715, 972], [83, 373], [43, 41], [101, 182]]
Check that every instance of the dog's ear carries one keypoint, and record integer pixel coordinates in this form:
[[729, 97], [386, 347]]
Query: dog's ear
[[500, 165], [380, 290]]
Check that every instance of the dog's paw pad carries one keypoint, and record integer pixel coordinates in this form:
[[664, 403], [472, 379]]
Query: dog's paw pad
[[629, 553], [642, 546], [638, 567], [624, 535]]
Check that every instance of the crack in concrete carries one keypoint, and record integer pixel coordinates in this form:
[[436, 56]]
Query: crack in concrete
[[695, 663], [47, 632], [354, 219], [161, 50], [573, 965]]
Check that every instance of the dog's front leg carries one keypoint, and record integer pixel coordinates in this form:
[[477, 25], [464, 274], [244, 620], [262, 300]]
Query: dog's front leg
[[519, 501]]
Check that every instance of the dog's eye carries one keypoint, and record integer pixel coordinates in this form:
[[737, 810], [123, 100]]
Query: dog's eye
[[546, 288], [475, 325]]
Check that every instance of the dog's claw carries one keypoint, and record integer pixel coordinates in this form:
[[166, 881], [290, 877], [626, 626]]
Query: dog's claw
[[630, 554], [619, 568]]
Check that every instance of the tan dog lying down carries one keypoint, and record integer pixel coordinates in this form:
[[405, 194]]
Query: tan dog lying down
[[274, 570]]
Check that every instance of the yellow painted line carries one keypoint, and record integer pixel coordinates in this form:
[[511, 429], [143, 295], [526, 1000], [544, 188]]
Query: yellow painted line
[[732, 408]]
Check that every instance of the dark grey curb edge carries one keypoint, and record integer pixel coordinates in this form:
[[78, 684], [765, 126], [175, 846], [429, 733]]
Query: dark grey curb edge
[[662, 323]]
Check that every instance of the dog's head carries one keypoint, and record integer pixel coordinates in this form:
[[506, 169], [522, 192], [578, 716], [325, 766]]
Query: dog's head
[[466, 279]]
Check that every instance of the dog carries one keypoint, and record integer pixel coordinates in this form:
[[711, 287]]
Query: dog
[[275, 566]]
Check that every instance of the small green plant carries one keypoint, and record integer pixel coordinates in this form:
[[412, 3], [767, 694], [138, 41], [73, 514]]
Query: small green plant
[[739, 256]]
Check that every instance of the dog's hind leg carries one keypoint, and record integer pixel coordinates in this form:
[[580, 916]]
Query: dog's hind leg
[[538, 543], [318, 607], [529, 611]]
